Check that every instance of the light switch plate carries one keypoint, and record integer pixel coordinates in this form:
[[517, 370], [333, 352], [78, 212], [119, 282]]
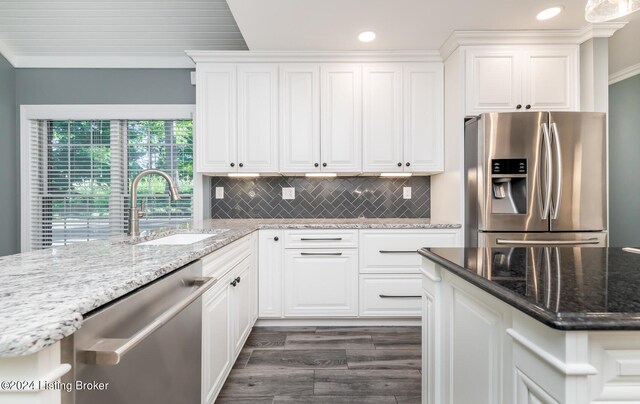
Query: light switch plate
[[288, 193], [406, 192], [219, 192]]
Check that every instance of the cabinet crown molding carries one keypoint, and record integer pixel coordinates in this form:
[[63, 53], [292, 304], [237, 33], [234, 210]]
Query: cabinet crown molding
[[313, 56], [528, 37]]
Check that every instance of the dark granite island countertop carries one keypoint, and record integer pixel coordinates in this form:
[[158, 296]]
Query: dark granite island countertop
[[564, 288]]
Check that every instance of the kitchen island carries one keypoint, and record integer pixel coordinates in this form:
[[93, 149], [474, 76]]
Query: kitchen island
[[47, 294], [531, 325]]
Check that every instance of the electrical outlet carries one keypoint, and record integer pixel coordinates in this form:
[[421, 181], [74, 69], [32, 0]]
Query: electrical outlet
[[219, 192], [406, 192], [288, 193]]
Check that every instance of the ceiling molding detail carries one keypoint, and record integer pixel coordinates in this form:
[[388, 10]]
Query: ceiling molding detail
[[319, 56], [7, 53], [103, 62], [624, 74], [528, 37]]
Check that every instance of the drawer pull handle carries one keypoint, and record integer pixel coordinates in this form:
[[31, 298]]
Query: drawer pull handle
[[307, 253], [400, 297], [322, 239], [398, 251]]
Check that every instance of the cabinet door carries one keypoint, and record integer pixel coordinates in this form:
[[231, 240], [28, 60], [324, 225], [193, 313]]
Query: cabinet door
[[216, 353], [299, 118], [423, 117], [254, 276], [258, 118], [321, 283], [270, 273], [341, 118], [551, 79], [493, 80], [382, 118], [241, 304], [216, 130]]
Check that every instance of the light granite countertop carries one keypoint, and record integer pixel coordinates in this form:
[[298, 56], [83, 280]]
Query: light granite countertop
[[44, 294]]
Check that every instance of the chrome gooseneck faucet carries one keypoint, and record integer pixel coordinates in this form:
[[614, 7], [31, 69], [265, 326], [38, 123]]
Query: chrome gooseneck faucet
[[134, 213]]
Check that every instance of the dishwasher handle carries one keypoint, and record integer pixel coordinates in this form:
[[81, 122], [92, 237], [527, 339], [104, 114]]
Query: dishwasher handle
[[110, 351]]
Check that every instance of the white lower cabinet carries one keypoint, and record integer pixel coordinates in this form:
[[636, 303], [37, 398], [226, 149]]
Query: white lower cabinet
[[344, 272], [270, 270], [392, 295], [320, 282], [229, 310], [241, 315], [216, 356]]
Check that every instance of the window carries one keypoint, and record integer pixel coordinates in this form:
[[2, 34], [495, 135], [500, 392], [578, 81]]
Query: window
[[80, 171]]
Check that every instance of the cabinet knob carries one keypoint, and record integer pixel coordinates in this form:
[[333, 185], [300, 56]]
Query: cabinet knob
[[528, 106], [238, 279], [518, 106], [399, 164], [241, 165], [324, 164], [408, 164], [316, 165], [233, 164], [276, 238], [234, 283]]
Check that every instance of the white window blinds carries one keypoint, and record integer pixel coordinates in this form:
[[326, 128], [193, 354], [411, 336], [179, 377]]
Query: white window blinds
[[80, 171]]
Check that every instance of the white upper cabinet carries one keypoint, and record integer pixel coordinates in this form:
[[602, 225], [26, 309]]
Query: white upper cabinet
[[216, 121], [258, 118], [510, 78], [382, 118], [493, 80], [551, 79], [341, 119], [423, 116], [403, 118], [320, 115], [299, 118]]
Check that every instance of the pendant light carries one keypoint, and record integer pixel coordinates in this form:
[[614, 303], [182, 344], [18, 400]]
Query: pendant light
[[605, 10]]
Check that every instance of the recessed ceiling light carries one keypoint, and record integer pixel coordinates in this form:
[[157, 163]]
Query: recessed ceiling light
[[367, 36], [549, 13]]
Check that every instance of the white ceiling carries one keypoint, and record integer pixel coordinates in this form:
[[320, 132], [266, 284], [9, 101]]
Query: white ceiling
[[400, 24], [103, 33], [155, 33]]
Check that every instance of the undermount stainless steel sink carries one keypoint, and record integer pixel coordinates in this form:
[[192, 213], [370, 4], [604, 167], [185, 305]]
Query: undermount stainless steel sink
[[183, 238]]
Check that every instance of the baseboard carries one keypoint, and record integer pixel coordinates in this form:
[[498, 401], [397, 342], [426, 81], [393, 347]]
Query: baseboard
[[342, 322]]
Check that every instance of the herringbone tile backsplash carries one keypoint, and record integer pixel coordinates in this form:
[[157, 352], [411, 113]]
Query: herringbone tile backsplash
[[341, 197]]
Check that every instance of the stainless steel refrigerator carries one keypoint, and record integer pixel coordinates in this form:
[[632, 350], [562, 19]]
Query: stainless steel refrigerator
[[536, 178]]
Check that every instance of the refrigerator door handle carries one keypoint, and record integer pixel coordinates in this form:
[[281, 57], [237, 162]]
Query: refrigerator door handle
[[592, 240], [546, 149], [555, 207]]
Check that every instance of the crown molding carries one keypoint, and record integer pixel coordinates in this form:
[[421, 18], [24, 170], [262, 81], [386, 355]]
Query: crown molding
[[624, 74], [314, 56], [528, 37], [104, 62], [6, 52]]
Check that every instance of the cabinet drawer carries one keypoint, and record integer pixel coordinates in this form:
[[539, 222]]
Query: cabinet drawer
[[390, 295], [384, 251], [218, 263], [321, 239]]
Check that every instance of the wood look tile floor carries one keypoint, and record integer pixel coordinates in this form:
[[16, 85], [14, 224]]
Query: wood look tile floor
[[333, 365]]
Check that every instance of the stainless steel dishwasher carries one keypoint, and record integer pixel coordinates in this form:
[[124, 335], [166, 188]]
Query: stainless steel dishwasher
[[146, 345]]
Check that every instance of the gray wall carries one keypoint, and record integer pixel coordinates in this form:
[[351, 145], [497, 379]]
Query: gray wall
[[624, 162], [69, 86], [8, 161]]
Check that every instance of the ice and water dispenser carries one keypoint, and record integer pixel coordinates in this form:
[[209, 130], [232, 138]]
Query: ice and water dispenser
[[509, 186]]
